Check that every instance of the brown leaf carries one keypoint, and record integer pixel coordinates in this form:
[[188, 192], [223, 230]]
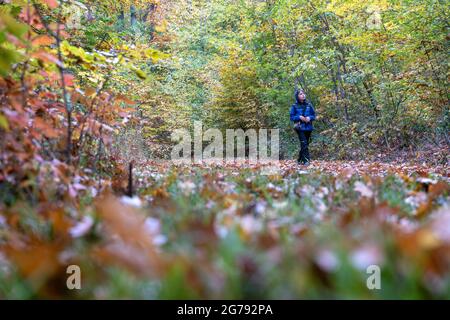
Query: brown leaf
[[127, 223], [36, 262]]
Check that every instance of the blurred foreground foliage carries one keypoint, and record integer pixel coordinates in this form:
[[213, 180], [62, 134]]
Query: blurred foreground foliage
[[208, 231]]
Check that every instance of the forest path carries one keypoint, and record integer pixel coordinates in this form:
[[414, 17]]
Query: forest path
[[320, 188]]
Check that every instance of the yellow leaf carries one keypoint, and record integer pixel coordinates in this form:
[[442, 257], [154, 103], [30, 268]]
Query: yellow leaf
[[162, 27], [141, 74]]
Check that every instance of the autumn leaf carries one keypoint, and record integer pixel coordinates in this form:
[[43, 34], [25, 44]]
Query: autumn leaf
[[37, 262], [52, 4], [47, 57], [89, 99], [141, 74], [12, 25], [4, 123], [43, 40], [69, 79], [125, 99], [125, 222], [89, 91]]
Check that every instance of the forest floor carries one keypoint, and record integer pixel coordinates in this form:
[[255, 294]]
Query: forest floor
[[241, 231]]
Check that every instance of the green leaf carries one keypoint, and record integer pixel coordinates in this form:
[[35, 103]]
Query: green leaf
[[13, 26], [141, 74], [2, 37], [155, 55], [4, 122], [7, 58]]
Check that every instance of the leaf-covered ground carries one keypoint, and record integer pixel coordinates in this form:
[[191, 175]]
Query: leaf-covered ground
[[239, 231]]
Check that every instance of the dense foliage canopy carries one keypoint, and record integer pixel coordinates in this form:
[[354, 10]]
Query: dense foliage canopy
[[90, 90]]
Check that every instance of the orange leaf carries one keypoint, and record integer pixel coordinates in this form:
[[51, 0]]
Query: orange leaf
[[68, 79], [89, 91], [438, 188], [47, 57], [51, 3], [36, 262], [46, 128], [125, 99], [124, 222], [136, 247], [43, 41]]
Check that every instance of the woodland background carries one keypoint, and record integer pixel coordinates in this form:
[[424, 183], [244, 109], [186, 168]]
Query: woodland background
[[88, 87]]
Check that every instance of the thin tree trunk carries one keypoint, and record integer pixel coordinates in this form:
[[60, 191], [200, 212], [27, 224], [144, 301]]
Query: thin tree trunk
[[342, 92], [133, 16], [121, 19], [372, 99]]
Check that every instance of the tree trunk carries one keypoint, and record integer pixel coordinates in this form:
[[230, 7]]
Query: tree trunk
[[133, 16], [121, 18], [145, 13]]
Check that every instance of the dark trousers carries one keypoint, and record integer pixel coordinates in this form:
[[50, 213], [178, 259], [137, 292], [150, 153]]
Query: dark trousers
[[304, 137]]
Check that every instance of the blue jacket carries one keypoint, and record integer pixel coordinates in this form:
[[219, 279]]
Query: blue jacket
[[305, 109]]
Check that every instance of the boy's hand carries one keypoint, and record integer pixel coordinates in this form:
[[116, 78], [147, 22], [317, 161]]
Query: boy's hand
[[307, 119], [302, 118]]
